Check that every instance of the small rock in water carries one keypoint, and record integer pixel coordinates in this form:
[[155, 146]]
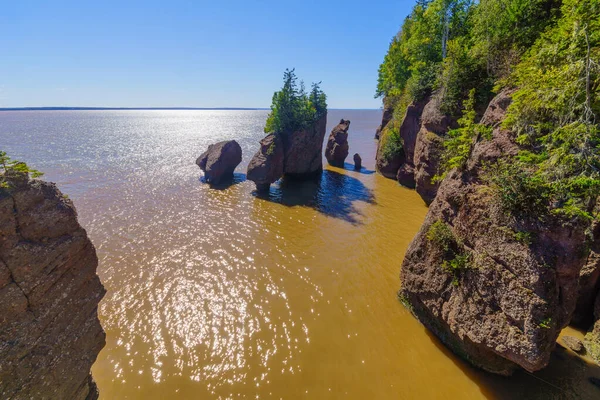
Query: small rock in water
[[220, 160], [573, 343], [357, 162]]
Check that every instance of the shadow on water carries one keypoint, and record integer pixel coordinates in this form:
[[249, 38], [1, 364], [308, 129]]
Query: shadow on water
[[238, 177], [567, 376], [330, 193], [363, 170]]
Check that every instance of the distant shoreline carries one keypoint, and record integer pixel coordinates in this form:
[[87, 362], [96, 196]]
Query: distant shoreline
[[124, 108], [151, 109]]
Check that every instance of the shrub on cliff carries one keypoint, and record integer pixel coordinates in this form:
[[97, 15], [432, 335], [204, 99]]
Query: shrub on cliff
[[292, 108], [391, 143], [459, 143], [10, 166]]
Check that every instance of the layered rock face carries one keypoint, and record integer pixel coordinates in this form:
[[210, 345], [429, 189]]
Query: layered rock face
[[388, 112], [422, 132], [429, 147], [50, 334], [220, 160], [337, 145], [494, 299], [299, 153]]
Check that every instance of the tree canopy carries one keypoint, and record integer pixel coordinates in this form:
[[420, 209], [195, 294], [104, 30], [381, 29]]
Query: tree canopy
[[292, 108]]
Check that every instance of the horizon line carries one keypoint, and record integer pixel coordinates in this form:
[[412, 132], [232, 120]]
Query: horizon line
[[63, 108]]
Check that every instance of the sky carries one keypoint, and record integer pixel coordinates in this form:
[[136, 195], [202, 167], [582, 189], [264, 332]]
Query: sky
[[176, 53]]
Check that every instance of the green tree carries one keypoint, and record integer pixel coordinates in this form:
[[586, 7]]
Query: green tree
[[292, 108], [8, 166], [555, 110]]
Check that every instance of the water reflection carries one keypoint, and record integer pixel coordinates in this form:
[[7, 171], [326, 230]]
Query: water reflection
[[332, 193]]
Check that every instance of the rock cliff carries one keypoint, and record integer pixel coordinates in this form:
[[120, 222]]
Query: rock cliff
[[421, 132], [50, 334], [496, 290]]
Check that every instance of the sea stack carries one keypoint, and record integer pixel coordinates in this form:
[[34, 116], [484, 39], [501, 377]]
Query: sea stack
[[337, 144], [296, 154], [357, 162], [296, 128], [50, 334], [219, 161]]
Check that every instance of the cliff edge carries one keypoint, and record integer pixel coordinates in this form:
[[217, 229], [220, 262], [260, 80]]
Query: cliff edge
[[50, 334]]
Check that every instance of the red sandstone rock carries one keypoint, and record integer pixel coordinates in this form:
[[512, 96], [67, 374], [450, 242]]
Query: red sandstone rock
[[337, 144], [220, 160], [506, 308], [50, 334]]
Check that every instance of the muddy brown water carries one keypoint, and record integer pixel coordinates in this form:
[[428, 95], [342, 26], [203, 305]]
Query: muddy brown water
[[219, 293]]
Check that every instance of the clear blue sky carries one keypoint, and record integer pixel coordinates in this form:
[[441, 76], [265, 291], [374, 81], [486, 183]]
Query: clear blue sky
[[173, 53]]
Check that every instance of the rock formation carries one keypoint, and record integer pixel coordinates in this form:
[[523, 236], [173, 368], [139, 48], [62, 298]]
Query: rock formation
[[587, 312], [494, 299], [388, 162], [421, 133], [302, 155], [337, 144], [50, 334], [429, 147], [220, 160], [388, 112], [357, 162], [572, 343], [267, 165], [589, 283]]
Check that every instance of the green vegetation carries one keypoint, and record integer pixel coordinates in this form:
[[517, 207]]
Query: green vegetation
[[546, 323], [458, 145], [405, 302], [455, 258], [292, 108], [441, 235], [518, 189], [549, 51], [391, 143], [556, 108], [10, 166], [456, 45]]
